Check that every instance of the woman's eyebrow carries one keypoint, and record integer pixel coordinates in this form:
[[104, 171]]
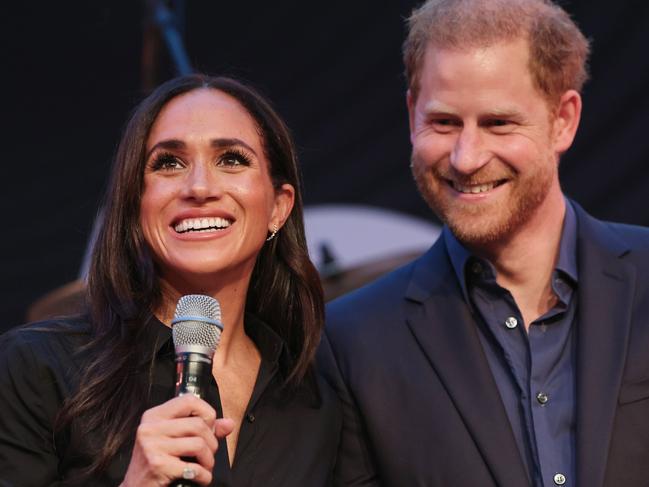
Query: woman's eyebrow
[[219, 143], [166, 144], [229, 142]]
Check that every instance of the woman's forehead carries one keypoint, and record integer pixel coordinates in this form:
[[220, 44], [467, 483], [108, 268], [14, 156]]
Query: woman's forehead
[[204, 114]]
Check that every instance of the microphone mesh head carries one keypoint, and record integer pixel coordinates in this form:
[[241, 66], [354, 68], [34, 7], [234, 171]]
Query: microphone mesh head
[[196, 326]]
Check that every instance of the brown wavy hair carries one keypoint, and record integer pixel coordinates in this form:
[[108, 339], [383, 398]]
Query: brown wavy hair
[[558, 49], [123, 287]]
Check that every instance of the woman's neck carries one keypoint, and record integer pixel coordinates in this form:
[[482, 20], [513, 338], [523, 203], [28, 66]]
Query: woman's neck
[[232, 300]]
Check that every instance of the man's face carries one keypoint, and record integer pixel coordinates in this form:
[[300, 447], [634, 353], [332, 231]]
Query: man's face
[[485, 153]]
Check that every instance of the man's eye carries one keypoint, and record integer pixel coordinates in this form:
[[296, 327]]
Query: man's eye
[[500, 125], [444, 124], [445, 121], [499, 122]]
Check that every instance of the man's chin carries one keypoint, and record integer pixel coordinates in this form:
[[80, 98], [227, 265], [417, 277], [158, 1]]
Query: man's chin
[[479, 230]]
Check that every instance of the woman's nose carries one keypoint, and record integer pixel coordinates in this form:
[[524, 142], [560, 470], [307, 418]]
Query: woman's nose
[[202, 183]]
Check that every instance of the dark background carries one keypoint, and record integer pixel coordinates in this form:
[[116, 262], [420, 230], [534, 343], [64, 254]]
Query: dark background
[[73, 70]]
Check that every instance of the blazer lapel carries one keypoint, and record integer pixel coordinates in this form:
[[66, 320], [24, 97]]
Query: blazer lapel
[[606, 287], [445, 329]]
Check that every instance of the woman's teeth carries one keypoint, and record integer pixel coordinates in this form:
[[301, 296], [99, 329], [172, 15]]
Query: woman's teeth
[[202, 224]]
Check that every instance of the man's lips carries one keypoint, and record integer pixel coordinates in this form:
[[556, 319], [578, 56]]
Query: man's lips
[[475, 188]]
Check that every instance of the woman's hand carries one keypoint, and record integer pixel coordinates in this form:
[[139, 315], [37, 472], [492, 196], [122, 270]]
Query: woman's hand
[[184, 426]]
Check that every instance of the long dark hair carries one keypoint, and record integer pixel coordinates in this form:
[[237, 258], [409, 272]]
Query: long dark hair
[[123, 288]]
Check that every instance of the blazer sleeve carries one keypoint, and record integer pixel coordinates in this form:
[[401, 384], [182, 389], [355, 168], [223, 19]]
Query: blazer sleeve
[[27, 399], [354, 465]]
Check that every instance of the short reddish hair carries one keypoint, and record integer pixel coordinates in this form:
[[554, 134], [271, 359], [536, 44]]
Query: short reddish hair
[[558, 49]]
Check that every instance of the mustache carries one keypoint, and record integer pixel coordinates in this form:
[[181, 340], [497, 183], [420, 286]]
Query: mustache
[[444, 170]]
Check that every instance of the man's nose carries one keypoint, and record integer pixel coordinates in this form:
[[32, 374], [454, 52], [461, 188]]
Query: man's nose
[[469, 153]]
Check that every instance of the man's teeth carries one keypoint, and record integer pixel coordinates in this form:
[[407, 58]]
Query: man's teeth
[[202, 224], [474, 189]]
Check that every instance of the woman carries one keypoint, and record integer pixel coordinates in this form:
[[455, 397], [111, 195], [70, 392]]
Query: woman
[[204, 198]]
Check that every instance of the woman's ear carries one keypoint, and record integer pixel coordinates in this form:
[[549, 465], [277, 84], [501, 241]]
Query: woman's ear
[[284, 201]]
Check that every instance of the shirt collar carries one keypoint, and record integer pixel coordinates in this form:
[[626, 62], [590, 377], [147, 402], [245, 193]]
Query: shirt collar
[[566, 263]]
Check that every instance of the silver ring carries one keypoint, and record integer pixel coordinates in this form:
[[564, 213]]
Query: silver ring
[[189, 473]]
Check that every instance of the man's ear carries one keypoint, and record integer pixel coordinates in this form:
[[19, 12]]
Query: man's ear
[[566, 120]]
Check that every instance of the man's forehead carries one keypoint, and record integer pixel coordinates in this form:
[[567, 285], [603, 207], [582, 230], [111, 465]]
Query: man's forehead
[[477, 49], [495, 64]]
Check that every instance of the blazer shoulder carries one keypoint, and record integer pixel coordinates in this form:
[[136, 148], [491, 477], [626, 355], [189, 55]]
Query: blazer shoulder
[[623, 239], [637, 237], [369, 305]]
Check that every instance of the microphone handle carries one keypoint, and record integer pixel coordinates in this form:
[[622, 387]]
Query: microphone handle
[[193, 372], [183, 483]]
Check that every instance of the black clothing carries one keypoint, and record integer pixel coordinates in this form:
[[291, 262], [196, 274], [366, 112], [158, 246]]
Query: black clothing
[[282, 442]]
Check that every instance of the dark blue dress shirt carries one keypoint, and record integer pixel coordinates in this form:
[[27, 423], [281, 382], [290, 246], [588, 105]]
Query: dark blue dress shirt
[[534, 370]]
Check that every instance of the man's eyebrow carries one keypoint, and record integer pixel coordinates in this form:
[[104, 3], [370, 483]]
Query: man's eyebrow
[[502, 112], [507, 113], [220, 143], [437, 107]]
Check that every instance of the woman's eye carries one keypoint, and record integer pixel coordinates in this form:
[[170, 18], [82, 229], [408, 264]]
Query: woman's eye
[[233, 159], [166, 162]]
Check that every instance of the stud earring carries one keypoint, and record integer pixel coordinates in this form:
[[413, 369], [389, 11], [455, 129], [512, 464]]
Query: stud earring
[[273, 233]]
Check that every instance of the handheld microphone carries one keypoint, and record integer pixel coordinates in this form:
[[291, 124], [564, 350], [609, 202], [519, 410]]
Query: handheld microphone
[[196, 329]]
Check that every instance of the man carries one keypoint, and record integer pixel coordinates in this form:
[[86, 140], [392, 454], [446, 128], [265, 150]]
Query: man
[[515, 352]]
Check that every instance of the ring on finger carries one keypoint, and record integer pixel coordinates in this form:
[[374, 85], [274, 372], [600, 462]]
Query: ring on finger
[[189, 473]]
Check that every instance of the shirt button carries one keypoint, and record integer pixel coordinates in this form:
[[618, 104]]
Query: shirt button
[[476, 267], [542, 398], [251, 418], [511, 322], [559, 479]]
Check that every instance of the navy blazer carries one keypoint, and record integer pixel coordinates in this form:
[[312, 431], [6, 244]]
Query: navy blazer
[[421, 407]]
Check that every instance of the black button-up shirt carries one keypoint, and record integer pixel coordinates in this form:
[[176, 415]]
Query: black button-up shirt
[[534, 371], [283, 441]]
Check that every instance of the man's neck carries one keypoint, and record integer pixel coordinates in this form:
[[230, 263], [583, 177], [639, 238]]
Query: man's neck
[[525, 262]]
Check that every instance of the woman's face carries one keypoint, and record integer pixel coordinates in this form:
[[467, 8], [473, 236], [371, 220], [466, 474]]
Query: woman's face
[[208, 201]]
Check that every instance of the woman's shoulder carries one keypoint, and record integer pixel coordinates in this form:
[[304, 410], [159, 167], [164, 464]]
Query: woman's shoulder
[[66, 327], [44, 341]]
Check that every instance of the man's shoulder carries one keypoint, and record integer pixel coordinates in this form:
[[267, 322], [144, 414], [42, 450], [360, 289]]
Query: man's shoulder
[[387, 287], [377, 304], [623, 237], [361, 321], [632, 241], [637, 237]]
